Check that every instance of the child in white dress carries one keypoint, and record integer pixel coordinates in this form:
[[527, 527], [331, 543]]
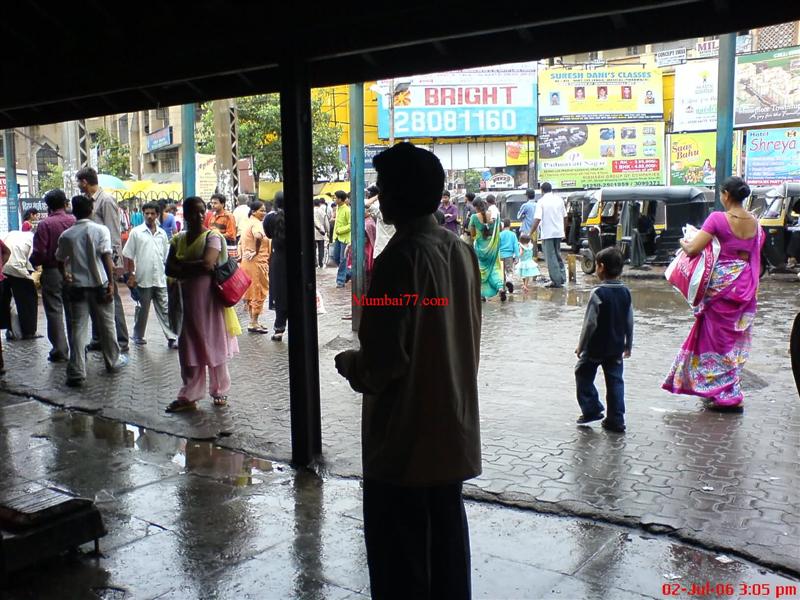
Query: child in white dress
[[527, 268]]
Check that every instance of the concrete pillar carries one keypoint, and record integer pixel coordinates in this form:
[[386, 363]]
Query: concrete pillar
[[725, 84], [357, 195]]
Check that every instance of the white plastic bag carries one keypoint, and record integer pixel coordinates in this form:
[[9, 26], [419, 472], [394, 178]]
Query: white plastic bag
[[320, 304]]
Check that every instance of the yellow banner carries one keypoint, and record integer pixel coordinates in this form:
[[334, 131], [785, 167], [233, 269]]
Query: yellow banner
[[520, 153], [594, 156], [628, 93]]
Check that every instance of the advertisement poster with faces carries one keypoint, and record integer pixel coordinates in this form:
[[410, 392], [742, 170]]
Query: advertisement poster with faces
[[593, 156], [595, 95], [696, 96]]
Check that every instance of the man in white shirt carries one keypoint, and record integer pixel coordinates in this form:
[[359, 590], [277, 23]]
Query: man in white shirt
[[321, 226], [417, 367], [84, 258], [383, 230], [492, 211], [241, 213], [19, 284], [551, 214], [145, 254]]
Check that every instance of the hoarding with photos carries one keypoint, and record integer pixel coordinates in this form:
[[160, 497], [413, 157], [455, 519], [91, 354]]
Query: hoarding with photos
[[596, 95]]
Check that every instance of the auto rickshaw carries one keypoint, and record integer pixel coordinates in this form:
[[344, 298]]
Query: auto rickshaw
[[579, 204], [598, 229], [780, 220], [648, 221], [509, 204]]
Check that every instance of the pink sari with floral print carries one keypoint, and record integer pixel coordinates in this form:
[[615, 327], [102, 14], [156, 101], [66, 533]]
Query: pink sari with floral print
[[710, 361]]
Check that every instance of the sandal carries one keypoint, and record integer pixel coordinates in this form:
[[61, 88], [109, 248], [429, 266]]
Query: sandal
[[180, 406], [219, 400], [259, 329]]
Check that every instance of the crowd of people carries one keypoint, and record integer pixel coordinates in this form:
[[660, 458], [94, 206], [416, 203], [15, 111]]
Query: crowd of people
[[87, 247]]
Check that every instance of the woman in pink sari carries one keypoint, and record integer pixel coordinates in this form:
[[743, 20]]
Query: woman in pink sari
[[710, 361]]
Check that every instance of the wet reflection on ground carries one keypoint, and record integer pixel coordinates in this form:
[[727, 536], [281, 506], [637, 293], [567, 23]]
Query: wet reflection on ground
[[189, 519]]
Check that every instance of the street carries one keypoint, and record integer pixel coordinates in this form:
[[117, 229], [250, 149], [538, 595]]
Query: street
[[726, 482]]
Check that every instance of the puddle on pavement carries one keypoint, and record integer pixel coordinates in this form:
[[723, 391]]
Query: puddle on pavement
[[204, 458]]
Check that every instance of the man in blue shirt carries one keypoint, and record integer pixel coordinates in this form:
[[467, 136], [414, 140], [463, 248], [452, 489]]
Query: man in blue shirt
[[526, 215], [509, 251]]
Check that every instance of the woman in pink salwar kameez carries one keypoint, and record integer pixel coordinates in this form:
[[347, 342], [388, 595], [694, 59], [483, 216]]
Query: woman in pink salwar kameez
[[711, 359], [208, 335]]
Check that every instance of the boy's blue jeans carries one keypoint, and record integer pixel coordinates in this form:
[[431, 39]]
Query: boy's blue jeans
[[588, 398]]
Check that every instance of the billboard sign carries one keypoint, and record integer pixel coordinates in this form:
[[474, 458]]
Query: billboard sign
[[693, 158], [597, 95], [668, 58], [772, 156], [696, 96], [489, 101], [767, 88], [159, 139], [594, 156]]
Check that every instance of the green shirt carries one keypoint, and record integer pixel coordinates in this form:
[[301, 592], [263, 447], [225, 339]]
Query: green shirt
[[341, 228]]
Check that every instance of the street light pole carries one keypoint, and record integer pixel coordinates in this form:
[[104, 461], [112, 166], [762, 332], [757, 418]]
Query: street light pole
[[391, 112], [725, 86]]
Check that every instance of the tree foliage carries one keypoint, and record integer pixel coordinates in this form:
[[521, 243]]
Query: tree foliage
[[113, 158], [260, 136], [51, 179], [472, 181]]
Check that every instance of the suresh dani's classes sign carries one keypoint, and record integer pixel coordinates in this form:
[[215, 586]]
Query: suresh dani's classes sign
[[594, 156], [499, 100], [596, 95], [772, 156]]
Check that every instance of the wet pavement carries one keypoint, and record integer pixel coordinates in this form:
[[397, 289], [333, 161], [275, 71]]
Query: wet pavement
[[190, 519], [726, 482]]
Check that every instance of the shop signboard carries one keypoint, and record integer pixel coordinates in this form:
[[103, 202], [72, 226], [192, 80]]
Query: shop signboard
[[371, 152], [772, 156], [500, 181], [159, 139], [669, 58], [627, 93], [593, 156], [520, 153], [710, 48], [696, 96], [693, 158], [768, 88], [488, 101]]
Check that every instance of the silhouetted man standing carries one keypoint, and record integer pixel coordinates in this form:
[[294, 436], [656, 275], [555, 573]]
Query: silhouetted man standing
[[417, 368]]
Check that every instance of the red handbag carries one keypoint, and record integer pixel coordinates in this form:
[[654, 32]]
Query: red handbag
[[231, 282]]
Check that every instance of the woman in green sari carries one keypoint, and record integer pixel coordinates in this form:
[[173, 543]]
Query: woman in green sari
[[486, 241]]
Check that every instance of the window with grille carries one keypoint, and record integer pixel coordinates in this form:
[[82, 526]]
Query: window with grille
[[777, 36], [46, 159], [146, 121], [169, 160], [163, 115], [122, 126]]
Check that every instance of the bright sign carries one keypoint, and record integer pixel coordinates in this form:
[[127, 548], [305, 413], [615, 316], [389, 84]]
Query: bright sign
[[696, 96], [768, 88], [489, 101]]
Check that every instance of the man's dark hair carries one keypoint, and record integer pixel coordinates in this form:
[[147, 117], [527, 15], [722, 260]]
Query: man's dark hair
[[318, 201], [611, 259], [372, 191], [446, 193], [151, 206], [88, 174], [439, 217], [221, 197], [414, 176], [470, 196], [82, 206], [490, 199], [55, 199], [530, 193], [340, 195], [546, 188], [507, 223]]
